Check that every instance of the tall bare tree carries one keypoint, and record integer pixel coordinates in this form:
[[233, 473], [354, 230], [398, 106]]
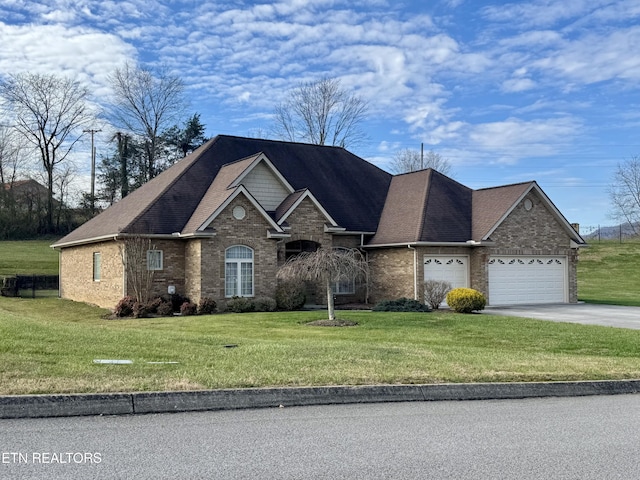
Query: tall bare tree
[[323, 113], [328, 266], [409, 160], [624, 192], [146, 103], [50, 112], [11, 158]]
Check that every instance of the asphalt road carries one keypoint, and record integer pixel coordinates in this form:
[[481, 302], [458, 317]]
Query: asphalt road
[[559, 438]]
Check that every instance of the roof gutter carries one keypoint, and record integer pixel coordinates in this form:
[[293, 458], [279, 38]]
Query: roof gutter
[[468, 243], [121, 236], [86, 241]]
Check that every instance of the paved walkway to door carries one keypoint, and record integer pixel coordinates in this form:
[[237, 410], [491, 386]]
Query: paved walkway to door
[[586, 313]]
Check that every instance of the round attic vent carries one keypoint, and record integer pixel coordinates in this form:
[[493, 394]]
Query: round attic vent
[[528, 204], [239, 212]]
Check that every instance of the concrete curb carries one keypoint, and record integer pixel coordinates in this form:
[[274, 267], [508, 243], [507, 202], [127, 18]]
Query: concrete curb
[[35, 406]]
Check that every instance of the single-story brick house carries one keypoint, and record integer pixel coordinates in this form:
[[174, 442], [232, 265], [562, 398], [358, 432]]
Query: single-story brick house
[[223, 219]]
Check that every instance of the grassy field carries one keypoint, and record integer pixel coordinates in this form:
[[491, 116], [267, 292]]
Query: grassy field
[[609, 272], [28, 257], [49, 345]]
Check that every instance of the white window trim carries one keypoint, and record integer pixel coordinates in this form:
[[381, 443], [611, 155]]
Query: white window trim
[[239, 277], [97, 272], [160, 254], [351, 290]]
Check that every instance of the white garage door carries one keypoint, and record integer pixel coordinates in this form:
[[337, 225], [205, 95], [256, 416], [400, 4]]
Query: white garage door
[[527, 279], [452, 269]]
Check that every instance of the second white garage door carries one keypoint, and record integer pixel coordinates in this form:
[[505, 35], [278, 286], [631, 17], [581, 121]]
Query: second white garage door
[[527, 280], [453, 269]]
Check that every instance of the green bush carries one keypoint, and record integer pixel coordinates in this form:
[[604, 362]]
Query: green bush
[[207, 306], [265, 304], [466, 300], [240, 305], [290, 296], [401, 305]]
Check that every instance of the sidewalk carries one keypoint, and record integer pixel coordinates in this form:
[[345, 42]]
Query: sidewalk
[[34, 406]]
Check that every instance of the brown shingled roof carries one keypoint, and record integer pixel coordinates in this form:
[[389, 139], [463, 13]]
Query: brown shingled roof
[[402, 216], [490, 205], [351, 189], [357, 196], [425, 206], [217, 193]]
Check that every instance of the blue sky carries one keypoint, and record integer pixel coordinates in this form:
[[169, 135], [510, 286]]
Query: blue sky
[[544, 90]]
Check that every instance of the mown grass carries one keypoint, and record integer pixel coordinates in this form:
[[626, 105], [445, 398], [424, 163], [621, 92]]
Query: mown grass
[[609, 272], [48, 345], [28, 257]]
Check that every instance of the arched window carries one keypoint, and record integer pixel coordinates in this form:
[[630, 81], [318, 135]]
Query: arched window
[[238, 272]]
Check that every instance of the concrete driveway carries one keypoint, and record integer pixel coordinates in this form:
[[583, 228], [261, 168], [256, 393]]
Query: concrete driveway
[[589, 314]]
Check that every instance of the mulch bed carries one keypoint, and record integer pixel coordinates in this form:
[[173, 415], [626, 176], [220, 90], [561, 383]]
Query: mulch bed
[[332, 323]]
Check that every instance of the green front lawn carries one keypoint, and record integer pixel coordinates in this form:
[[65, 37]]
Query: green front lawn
[[48, 345]]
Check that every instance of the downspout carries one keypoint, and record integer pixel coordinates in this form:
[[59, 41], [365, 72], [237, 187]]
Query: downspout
[[415, 272], [60, 273]]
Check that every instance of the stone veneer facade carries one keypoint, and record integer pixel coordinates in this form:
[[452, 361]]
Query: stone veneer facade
[[523, 232]]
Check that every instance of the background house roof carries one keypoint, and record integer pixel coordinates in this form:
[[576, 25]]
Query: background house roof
[[351, 189]]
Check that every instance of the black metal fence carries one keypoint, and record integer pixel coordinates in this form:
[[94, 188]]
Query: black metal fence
[[30, 286], [622, 233]]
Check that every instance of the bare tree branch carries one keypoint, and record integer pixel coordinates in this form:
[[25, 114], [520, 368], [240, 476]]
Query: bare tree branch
[[327, 266], [322, 113], [133, 252], [49, 111], [146, 103], [409, 160], [624, 193]]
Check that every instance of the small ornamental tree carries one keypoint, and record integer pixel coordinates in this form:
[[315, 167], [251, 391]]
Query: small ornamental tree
[[328, 266], [133, 252]]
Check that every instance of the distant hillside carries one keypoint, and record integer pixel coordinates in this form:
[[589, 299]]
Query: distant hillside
[[625, 230]]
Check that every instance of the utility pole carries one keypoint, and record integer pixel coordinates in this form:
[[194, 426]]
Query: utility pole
[[93, 169], [421, 156]]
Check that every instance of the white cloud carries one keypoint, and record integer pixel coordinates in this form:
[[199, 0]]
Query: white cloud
[[518, 85], [82, 53], [540, 12], [513, 139], [596, 58]]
